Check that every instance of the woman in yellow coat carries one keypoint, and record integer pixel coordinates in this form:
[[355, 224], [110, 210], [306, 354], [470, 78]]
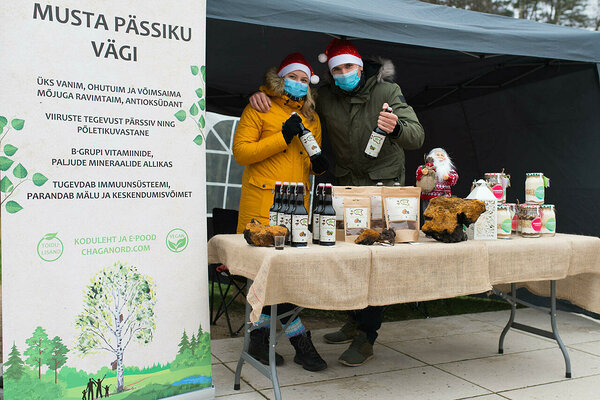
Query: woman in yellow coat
[[268, 145], [269, 152]]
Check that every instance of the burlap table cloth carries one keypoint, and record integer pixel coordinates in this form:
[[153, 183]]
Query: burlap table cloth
[[350, 276], [330, 278], [427, 270]]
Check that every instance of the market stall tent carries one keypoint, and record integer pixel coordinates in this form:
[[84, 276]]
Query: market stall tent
[[495, 92]]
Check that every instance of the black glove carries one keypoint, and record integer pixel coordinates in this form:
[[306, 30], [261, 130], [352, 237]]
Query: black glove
[[319, 164], [398, 129], [292, 127]]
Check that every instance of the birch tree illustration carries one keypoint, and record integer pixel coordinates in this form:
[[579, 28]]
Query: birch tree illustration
[[118, 309]]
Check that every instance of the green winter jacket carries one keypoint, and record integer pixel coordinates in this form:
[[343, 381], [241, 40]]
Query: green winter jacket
[[348, 121]]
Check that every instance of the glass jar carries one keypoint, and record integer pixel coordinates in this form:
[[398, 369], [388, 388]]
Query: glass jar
[[498, 182], [548, 220], [530, 220], [512, 208], [504, 226], [535, 185]]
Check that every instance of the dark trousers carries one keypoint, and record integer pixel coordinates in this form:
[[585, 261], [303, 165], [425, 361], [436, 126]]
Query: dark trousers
[[369, 320], [281, 309]]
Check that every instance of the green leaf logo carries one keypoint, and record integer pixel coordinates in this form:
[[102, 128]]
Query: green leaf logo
[[20, 171], [201, 122], [13, 207], [180, 115], [539, 192], [38, 179], [194, 69], [551, 224], [202, 104], [199, 92], [203, 71], [5, 163], [50, 236], [177, 240], [10, 150], [6, 185], [506, 225], [198, 140], [194, 110], [17, 124], [3, 121]]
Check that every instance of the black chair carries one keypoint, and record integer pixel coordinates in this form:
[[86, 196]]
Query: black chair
[[224, 222]]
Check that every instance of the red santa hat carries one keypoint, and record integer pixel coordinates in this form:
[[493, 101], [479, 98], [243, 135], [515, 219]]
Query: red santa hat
[[340, 52], [297, 62]]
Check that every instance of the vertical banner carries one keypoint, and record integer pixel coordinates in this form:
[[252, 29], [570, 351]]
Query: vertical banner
[[103, 200]]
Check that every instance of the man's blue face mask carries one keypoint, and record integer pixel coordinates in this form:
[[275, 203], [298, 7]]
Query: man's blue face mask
[[347, 81], [295, 88]]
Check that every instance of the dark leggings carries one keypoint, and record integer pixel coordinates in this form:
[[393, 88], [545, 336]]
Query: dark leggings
[[369, 320], [281, 309]]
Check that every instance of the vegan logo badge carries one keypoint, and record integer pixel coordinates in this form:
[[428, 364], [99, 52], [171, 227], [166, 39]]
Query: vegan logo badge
[[50, 247], [177, 240]]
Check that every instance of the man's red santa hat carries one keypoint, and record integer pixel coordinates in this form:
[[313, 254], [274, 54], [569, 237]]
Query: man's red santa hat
[[297, 62], [340, 52]]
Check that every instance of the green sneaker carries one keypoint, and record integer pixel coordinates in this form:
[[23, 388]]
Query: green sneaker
[[344, 335], [359, 352]]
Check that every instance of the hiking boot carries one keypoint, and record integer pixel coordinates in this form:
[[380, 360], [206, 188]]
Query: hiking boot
[[345, 334], [259, 347], [306, 354], [359, 352]]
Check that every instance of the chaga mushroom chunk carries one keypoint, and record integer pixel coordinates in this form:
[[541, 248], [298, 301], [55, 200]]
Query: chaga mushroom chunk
[[445, 216], [257, 234]]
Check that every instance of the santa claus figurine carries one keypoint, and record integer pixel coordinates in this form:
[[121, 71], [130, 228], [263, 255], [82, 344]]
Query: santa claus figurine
[[439, 164]]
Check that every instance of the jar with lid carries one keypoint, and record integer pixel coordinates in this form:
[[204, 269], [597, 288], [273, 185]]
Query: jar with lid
[[504, 222], [498, 182], [530, 220], [548, 220], [535, 185], [512, 208]]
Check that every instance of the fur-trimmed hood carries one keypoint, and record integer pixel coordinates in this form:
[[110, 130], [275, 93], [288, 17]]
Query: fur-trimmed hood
[[274, 88], [386, 72]]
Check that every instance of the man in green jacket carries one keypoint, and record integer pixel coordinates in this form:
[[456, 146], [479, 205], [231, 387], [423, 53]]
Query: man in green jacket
[[350, 107]]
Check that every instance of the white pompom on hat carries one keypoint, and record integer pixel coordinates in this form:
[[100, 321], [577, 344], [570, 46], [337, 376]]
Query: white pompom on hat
[[297, 62], [340, 52]]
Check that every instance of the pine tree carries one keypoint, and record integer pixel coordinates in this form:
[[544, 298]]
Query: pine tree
[[184, 344], [193, 343], [14, 367]]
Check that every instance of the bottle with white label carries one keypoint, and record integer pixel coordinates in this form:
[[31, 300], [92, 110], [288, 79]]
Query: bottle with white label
[[309, 142], [327, 219], [287, 219], [299, 219], [283, 196], [318, 207], [376, 140], [276, 204]]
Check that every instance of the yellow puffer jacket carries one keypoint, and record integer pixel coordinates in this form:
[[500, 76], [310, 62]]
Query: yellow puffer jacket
[[259, 145]]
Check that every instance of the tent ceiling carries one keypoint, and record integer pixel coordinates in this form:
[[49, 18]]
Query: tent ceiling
[[415, 23]]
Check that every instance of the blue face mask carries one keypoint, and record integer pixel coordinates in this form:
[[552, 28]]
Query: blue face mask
[[295, 88], [347, 81]]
